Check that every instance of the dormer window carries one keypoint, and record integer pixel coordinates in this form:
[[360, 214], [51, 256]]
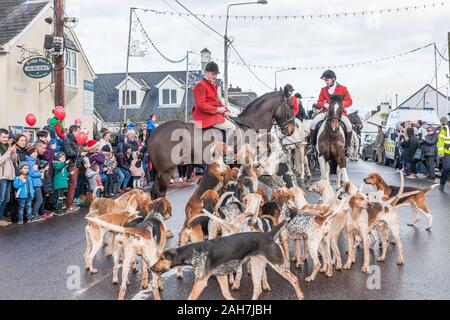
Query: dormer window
[[134, 95], [131, 94], [169, 97], [171, 92]]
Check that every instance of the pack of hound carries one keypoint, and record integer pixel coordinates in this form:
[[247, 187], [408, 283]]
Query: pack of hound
[[232, 221]]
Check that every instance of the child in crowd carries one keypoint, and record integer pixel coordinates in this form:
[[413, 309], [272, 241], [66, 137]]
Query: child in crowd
[[94, 178], [23, 184], [108, 166], [136, 170], [60, 182], [36, 174]]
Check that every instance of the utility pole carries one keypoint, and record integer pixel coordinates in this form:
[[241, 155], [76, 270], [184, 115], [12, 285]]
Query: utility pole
[[396, 101], [59, 59], [127, 97], [187, 89], [227, 43], [225, 62], [448, 88], [436, 77]]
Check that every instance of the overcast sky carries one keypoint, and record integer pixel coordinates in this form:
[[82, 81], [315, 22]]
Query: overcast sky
[[103, 31]]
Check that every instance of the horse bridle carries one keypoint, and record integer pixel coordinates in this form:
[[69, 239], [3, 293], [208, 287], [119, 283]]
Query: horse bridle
[[286, 109]]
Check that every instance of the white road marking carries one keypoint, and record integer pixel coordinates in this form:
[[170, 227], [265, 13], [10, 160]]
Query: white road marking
[[147, 293], [81, 291]]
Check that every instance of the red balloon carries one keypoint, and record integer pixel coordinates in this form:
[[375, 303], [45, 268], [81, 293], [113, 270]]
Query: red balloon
[[59, 113], [81, 138], [30, 119]]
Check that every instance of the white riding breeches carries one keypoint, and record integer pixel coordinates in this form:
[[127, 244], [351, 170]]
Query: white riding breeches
[[227, 125], [321, 116], [231, 131]]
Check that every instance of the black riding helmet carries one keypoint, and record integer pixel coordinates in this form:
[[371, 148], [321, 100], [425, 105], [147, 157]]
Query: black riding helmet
[[289, 88], [298, 95], [212, 67], [329, 74]]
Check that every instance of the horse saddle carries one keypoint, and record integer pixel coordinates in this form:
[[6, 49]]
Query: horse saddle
[[218, 134]]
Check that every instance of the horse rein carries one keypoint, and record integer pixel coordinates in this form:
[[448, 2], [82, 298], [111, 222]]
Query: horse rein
[[286, 108]]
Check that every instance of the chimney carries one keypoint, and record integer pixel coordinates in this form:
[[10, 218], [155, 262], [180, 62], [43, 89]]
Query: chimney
[[205, 59]]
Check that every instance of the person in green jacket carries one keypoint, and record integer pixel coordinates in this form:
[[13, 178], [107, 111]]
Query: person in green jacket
[[60, 181]]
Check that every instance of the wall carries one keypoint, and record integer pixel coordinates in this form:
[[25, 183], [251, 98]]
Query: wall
[[21, 95]]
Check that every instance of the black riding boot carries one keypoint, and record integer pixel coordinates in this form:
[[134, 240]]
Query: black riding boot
[[348, 140], [313, 140]]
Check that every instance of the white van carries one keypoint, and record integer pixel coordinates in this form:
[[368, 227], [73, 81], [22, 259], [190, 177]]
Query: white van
[[399, 115]]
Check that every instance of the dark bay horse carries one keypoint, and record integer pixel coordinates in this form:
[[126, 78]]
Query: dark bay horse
[[331, 142], [356, 122], [176, 141]]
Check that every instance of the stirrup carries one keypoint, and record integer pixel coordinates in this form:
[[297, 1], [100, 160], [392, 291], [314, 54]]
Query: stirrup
[[311, 150]]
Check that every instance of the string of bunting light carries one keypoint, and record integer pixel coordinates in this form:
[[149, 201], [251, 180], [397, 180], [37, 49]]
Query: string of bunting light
[[305, 16], [136, 45], [339, 66]]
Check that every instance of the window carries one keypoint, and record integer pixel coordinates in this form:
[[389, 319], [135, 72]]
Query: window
[[166, 96], [133, 98], [169, 96], [70, 71], [173, 96]]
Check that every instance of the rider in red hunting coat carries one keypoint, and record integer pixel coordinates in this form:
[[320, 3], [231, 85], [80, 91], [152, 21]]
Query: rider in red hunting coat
[[332, 87], [209, 111]]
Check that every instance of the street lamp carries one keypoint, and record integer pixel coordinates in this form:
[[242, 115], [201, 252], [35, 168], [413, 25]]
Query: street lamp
[[227, 43], [281, 71]]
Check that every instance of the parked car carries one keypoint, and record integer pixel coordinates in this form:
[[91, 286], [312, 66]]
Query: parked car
[[369, 150]]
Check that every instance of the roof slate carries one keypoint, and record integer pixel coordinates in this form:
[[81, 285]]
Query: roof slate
[[15, 15], [106, 97]]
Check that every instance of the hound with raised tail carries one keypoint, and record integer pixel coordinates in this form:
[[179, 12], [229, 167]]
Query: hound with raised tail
[[417, 200], [222, 256], [146, 239], [364, 216]]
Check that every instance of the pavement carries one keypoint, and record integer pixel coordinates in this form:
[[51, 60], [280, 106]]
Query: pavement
[[44, 260]]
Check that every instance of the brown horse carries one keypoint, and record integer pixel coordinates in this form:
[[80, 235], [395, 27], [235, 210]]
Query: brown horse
[[331, 142], [175, 141]]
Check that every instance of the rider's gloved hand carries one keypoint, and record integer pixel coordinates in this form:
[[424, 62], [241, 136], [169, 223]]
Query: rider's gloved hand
[[222, 110]]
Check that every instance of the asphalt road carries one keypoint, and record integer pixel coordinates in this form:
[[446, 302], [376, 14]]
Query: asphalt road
[[44, 260]]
